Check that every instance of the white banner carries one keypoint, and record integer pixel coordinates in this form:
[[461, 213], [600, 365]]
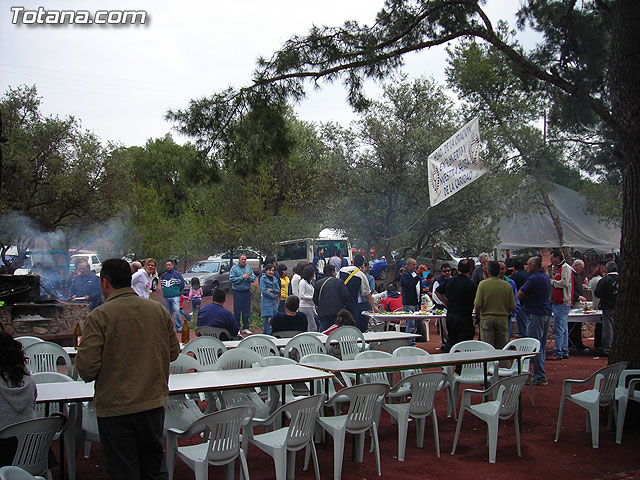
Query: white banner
[[455, 163]]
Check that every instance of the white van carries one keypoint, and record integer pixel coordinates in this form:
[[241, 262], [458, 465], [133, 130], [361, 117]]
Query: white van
[[304, 249], [92, 258]]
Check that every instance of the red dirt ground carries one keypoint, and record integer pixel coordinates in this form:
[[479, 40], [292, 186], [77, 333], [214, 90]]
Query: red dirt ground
[[542, 458]]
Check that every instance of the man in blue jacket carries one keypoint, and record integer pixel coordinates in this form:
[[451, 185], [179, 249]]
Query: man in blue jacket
[[86, 285], [172, 285], [241, 277]]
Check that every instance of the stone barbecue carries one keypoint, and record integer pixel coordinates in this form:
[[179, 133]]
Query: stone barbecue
[[26, 312]]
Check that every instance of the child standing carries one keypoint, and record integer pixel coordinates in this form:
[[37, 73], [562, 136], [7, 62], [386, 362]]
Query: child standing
[[195, 295]]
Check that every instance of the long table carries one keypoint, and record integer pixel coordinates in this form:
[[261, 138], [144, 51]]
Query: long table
[[80, 391], [390, 364]]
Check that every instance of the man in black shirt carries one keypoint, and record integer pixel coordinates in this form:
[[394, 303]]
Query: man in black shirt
[[291, 319], [458, 294]]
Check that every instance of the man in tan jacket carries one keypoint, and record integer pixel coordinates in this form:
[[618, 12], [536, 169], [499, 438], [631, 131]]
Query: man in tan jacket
[[127, 345]]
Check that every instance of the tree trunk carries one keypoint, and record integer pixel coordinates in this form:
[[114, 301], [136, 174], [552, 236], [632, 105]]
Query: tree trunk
[[625, 102], [555, 218]]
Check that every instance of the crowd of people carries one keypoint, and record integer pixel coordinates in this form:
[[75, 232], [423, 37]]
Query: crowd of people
[[503, 292]]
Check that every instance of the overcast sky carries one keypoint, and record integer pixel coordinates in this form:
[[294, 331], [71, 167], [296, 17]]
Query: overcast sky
[[121, 80]]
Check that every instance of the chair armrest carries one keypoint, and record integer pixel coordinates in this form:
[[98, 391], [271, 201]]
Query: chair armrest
[[632, 386], [626, 374]]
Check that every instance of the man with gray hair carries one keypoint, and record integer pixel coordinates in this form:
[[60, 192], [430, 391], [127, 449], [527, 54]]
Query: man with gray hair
[[575, 328], [607, 291], [478, 273]]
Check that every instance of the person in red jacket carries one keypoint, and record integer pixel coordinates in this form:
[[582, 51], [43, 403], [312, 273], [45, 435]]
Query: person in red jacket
[[393, 301]]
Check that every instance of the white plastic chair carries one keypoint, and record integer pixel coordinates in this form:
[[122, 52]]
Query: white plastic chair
[[34, 439], [303, 344], [44, 356], [206, 350], [73, 425], [422, 387], [283, 443], [404, 352], [220, 333], [287, 333], [319, 385], [345, 342], [470, 373], [183, 364], [16, 473], [182, 410], [221, 446], [529, 345], [238, 359], [624, 393], [289, 389], [27, 340], [358, 421], [602, 394], [262, 345], [491, 412]]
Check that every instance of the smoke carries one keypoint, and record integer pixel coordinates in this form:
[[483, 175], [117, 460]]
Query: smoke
[[108, 239]]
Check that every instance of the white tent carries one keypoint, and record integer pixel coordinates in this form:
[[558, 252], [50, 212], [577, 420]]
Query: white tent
[[581, 230]]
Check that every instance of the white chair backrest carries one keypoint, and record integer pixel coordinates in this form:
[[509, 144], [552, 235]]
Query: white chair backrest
[[16, 473], [323, 357], [219, 332], [610, 376], [272, 361], [423, 390], [287, 333], [239, 358], [183, 364], [223, 428], [528, 345], [375, 377], [26, 340], [409, 352], [303, 344], [509, 390], [362, 404], [471, 369], [34, 439], [207, 350], [262, 345], [44, 356], [348, 340], [303, 414]]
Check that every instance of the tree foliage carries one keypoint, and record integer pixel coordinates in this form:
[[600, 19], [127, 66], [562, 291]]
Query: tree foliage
[[382, 161], [54, 174]]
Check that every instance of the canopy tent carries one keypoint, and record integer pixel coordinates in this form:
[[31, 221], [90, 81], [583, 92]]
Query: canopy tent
[[581, 230]]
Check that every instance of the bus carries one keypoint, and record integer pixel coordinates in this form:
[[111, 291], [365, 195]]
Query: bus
[[304, 249]]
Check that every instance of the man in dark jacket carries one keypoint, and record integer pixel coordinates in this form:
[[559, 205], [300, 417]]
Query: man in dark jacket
[[86, 285], [607, 292], [458, 294], [330, 295], [410, 281]]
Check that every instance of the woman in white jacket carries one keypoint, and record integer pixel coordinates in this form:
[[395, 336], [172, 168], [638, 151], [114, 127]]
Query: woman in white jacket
[[305, 293]]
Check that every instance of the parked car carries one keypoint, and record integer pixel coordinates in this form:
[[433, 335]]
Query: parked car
[[253, 259], [94, 262], [211, 273]]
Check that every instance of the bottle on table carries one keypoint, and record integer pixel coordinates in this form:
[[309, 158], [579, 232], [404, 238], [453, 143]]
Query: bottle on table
[[185, 331], [77, 336]]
